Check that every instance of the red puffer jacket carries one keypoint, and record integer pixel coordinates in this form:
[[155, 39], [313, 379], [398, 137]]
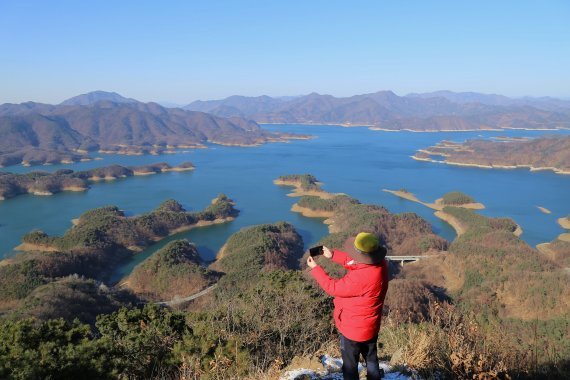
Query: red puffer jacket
[[359, 296]]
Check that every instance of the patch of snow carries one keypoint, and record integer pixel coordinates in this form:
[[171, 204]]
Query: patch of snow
[[333, 371]]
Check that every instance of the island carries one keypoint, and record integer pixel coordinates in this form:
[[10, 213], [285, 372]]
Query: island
[[304, 184], [544, 153], [44, 183], [100, 240]]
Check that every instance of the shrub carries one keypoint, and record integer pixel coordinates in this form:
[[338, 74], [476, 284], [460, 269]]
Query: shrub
[[457, 198]]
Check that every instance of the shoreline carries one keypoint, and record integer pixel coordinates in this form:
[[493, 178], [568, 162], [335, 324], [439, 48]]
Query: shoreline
[[134, 249], [299, 192], [328, 216], [95, 179], [449, 219], [481, 166], [30, 247], [452, 221], [375, 127], [564, 222], [500, 129], [201, 223], [438, 205]]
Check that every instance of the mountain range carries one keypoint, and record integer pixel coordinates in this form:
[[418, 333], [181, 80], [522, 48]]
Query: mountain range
[[33, 133], [442, 110]]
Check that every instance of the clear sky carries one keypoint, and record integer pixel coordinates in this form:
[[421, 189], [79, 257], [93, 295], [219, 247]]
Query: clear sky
[[181, 51]]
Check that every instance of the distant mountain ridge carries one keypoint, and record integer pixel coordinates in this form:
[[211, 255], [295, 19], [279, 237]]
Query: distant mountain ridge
[[442, 110], [96, 96], [36, 133], [545, 102]]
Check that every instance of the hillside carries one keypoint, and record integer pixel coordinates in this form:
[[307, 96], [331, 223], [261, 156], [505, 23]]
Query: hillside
[[173, 271], [33, 133], [461, 312], [99, 241], [386, 110], [545, 153]]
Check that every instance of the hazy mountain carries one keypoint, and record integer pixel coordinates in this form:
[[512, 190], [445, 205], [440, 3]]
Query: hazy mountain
[[25, 108], [241, 104], [37, 133], [96, 96], [546, 103], [436, 111]]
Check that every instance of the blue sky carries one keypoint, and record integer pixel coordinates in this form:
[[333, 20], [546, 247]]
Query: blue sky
[[181, 51]]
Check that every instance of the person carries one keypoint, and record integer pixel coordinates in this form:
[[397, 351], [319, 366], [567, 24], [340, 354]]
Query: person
[[359, 298]]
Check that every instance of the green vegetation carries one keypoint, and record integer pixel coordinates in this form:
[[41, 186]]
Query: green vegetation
[[52, 349], [173, 270], [456, 198], [72, 298], [491, 307], [497, 261], [261, 247], [17, 280], [101, 239], [404, 234], [107, 227], [257, 319], [331, 205], [307, 181], [12, 185]]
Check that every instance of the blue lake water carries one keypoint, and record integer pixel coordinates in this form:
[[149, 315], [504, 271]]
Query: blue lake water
[[355, 161]]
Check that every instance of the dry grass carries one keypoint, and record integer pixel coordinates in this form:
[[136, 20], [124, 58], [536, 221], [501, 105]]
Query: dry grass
[[452, 344]]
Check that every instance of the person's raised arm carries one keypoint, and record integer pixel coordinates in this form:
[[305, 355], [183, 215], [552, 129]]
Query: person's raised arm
[[339, 257], [344, 287]]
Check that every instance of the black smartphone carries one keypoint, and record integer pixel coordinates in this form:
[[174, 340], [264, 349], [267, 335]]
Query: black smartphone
[[316, 251]]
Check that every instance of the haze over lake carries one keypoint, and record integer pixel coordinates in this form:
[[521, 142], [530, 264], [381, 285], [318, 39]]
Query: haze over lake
[[356, 161]]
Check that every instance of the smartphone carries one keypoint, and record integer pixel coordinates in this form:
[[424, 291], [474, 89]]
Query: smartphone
[[316, 251]]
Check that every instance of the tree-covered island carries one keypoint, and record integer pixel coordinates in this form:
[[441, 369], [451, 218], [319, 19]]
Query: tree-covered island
[[44, 183]]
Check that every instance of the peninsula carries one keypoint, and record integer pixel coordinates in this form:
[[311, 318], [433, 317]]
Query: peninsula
[[44, 183], [449, 201], [545, 153]]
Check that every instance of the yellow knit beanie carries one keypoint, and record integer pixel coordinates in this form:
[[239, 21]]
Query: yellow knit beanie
[[366, 242]]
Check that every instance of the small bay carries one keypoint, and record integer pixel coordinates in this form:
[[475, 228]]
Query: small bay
[[356, 161]]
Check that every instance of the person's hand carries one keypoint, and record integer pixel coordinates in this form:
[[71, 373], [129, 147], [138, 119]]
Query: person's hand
[[311, 262], [327, 252]]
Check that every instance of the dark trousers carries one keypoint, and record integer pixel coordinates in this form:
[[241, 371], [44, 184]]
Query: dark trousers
[[351, 351]]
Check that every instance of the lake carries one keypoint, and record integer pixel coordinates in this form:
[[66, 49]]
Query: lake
[[355, 161]]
